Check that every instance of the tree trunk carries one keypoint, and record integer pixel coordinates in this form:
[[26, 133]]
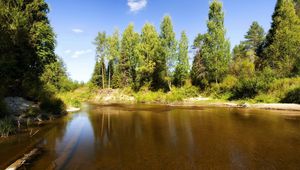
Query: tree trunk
[[109, 76], [103, 78]]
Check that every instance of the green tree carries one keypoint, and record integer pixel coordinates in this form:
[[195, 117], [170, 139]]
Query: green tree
[[216, 48], [281, 48], [182, 67], [150, 58], [248, 48], [198, 71], [27, 57], [254, 37], [99, 74], [168, 42], [56, 79], [27, 44], [113, 57], [128, 57]]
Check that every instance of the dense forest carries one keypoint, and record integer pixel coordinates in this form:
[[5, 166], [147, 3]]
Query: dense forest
[[262, 63], [264, 66]]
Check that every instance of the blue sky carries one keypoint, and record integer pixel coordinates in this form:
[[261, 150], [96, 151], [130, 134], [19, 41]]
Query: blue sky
[[77, 22]]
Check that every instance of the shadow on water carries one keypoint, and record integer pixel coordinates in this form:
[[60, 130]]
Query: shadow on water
[[164, 137]]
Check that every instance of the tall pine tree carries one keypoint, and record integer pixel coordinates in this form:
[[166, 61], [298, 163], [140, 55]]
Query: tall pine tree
[[281, 49], [254, 37]]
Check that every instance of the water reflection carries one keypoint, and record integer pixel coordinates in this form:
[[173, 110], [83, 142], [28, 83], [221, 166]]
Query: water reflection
[[163, 137]]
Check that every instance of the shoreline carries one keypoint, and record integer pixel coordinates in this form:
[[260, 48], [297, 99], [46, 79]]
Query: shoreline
[[212, 103]]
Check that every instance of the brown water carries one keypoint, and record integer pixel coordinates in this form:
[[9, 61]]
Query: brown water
[[162, 137]]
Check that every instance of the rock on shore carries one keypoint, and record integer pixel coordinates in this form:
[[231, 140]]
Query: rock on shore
[[18, 105]]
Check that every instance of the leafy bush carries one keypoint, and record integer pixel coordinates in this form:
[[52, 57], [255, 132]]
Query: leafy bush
[[266, 98], [147, 96], [7, 127], [33, 111], [249, 87], [175, 95], [53, 105], [245, 88], [292, 96], [179, 94], [223, 90], [278, 90]]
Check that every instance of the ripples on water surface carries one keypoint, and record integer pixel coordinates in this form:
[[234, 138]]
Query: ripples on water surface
[[162, 137]]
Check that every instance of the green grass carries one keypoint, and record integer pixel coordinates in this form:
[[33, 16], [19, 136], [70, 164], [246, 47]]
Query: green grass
[[7, 127], [76, 97]]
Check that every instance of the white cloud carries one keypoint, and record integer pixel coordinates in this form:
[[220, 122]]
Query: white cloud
[[136, 5], [67, 51], [79, 53], [76, 30]]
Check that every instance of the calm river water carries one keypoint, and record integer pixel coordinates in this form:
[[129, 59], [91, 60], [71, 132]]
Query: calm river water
[[163, 137]]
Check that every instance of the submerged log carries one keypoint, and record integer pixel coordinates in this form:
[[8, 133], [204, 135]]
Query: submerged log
[[26, 158], [62, 160]]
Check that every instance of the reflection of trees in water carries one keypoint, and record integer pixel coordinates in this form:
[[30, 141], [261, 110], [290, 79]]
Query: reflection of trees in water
[[101, 120]]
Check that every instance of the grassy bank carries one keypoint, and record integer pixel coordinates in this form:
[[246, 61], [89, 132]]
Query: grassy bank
[[285, 90]]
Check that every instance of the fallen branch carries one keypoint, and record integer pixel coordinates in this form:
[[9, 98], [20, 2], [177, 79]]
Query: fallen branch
[[34, 133], [26, 158]]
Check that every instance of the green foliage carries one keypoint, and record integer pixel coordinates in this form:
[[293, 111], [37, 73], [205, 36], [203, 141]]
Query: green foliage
[[242, 68], [7, 127], [182, 68], [281, 48], [278, 90]]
